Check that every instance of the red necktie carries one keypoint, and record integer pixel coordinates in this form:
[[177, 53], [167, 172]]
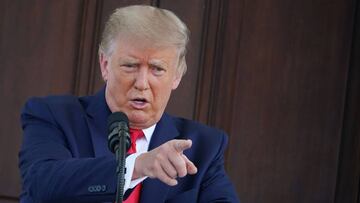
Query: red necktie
[[135, 134]]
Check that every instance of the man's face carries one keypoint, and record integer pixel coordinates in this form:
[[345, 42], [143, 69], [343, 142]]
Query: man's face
[[139, 80]]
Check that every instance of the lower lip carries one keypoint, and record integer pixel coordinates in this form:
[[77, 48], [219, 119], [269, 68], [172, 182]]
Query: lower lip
[[139, 105]]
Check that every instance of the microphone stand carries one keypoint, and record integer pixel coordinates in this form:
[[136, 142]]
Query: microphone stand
[[120, 169]]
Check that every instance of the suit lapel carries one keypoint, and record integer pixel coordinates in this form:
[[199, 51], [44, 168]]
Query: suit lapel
[[98, 112], [153, 190]]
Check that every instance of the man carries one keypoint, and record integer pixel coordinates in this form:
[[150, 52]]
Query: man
[[64, 156]]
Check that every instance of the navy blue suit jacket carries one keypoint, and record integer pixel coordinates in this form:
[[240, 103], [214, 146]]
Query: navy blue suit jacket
[[64, 156]]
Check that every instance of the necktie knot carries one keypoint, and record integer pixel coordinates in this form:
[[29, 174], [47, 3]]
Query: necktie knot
[[135, 134]]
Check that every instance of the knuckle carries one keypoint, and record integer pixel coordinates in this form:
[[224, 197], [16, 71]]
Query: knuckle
[[158, 157], [180, 164], [182, 169], [163, 177], [173, 174], [151, 175], [166, 148], [182, 173], [152, 168]]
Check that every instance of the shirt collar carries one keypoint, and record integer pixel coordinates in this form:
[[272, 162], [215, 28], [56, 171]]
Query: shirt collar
[[148, 132]]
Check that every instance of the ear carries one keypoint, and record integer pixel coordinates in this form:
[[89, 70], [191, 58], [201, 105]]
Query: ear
[[176, 81], [104, 65]]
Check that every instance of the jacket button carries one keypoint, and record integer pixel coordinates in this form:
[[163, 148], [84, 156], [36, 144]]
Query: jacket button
[[97, 188]]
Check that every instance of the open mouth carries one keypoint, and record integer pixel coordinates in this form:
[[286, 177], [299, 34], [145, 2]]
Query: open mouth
[[139, 103], [139, 100]]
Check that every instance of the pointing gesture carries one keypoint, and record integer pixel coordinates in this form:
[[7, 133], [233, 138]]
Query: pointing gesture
[[166, 162]]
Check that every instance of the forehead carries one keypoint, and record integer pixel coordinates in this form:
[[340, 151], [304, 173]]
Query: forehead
[[133, 48]]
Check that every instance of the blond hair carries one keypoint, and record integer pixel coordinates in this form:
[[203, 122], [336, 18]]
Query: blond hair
[[158, 26]]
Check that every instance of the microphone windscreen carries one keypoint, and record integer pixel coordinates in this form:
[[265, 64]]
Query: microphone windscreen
[[117, 117]]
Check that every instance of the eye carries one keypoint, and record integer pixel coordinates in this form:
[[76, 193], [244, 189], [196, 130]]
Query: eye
[[129, 65], [157, 70]]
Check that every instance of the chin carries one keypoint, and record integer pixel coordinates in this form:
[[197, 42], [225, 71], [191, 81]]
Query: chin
[[140, 120]]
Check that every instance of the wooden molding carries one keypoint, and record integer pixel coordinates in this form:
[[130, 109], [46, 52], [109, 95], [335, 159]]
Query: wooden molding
[[348, 176], [87, 59], [211, 56]]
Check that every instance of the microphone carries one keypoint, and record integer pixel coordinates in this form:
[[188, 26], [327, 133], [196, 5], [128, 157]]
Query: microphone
[[119, 143], [118, 125]]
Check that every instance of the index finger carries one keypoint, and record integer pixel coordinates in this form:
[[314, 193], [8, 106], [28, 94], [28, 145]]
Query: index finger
[[181, 145]]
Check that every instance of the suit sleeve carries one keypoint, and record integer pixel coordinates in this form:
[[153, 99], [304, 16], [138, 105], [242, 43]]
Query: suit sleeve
[[50, 172], [216, 185]]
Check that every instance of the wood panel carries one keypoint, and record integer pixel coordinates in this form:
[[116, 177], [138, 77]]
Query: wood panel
[[87, 52], [211, 57], [182, 101], [8, 200], [286, 119], [348, 178], [38, 50]]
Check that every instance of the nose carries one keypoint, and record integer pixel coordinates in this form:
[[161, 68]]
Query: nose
[[141, 79]]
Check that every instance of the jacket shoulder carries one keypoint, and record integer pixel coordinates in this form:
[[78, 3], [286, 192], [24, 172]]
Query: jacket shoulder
[[45, 108], [183, 124], [200, 132]]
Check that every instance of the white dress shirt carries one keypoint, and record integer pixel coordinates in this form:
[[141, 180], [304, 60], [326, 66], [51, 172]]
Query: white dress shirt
[[142, 146]]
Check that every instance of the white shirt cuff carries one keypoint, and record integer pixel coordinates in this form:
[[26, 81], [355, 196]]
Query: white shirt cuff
[[130, 165]]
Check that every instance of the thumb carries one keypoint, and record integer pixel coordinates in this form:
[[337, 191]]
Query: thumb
[[181, 145]]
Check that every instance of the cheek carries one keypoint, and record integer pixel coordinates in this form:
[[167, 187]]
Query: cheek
[[119, 86], [162, 94], [119, 79]]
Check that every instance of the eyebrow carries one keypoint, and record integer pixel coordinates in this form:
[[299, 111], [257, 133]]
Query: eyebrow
[[128, 60], [158, 62]]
